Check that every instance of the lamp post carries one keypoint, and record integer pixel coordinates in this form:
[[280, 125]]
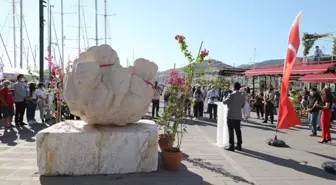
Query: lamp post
[[41, 35]]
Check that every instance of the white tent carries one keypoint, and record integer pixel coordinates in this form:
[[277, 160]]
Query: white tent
[[21, 71], [10, 72]]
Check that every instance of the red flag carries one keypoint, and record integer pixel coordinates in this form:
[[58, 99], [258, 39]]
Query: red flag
[[287, 116]]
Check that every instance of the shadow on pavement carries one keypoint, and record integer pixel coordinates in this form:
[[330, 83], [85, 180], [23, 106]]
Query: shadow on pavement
[[262, 128], [289, 163], [37, 127], [9, 136], [324, 156], [218, 169], [268, 125], [161, 176], [200, 122], [27, 133], [213, 121]]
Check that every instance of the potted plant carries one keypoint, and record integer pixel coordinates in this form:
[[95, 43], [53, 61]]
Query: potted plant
[[173, 117], [172, 114]]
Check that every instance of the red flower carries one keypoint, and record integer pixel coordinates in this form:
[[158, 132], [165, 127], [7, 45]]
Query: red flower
[[209, 62], [179, 38], [204, 53]]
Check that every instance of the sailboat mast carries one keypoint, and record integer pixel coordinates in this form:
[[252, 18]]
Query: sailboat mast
[[49, 48], [54, 51], [62, 35], [4, 45], [21, 35], [79, 27], [14, 33], [27, 57], [105, 20], [35, 57], [96, 17]]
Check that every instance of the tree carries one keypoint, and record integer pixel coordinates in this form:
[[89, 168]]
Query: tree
[[308, 41], [334, 47]]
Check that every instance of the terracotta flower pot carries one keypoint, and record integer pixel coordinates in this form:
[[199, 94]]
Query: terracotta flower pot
[[164, 142], [172, 159]]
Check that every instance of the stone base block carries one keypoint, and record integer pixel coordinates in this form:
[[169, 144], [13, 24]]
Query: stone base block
[[75, 148]]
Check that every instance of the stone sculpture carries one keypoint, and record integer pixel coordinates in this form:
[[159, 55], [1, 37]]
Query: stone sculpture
[[100, 91]]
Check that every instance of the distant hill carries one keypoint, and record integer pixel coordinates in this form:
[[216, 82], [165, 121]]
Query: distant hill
[[268, 62], [215, 67]]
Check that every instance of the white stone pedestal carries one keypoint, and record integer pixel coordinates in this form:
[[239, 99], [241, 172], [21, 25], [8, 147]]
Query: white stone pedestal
[[222, 128], [75, 148]]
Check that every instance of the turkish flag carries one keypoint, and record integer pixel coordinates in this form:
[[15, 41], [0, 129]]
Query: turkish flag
[[287, 116]]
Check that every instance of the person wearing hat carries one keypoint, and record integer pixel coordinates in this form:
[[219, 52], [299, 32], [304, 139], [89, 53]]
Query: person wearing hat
[[235, 102], [7, 104], [212, 97]]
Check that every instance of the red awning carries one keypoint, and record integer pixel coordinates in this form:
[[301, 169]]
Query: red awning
[[302, 69], [319, 78]]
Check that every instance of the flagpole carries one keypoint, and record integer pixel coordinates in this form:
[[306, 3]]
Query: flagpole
[[254, 56], [287, 116]]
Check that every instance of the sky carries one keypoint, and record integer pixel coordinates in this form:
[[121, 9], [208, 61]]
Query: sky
[[230, 29]]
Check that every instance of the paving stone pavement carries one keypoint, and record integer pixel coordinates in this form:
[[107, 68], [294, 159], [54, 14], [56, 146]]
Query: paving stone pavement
[[267, 165], [203, 164]]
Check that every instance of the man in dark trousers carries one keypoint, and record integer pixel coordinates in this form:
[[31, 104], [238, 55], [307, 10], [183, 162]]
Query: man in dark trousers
[[235, 101], [270, 100], [313, 112], [20, 95]]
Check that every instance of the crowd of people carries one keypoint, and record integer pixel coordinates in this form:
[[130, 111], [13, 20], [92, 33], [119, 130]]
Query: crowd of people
[[319, 107], [200, 97], [31, 96], [27, 97], [319, 104]]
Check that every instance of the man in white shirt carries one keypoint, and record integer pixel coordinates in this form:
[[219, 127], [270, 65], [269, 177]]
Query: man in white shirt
[[156, 100], [41, 99], [212, 97], [318, 53]]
